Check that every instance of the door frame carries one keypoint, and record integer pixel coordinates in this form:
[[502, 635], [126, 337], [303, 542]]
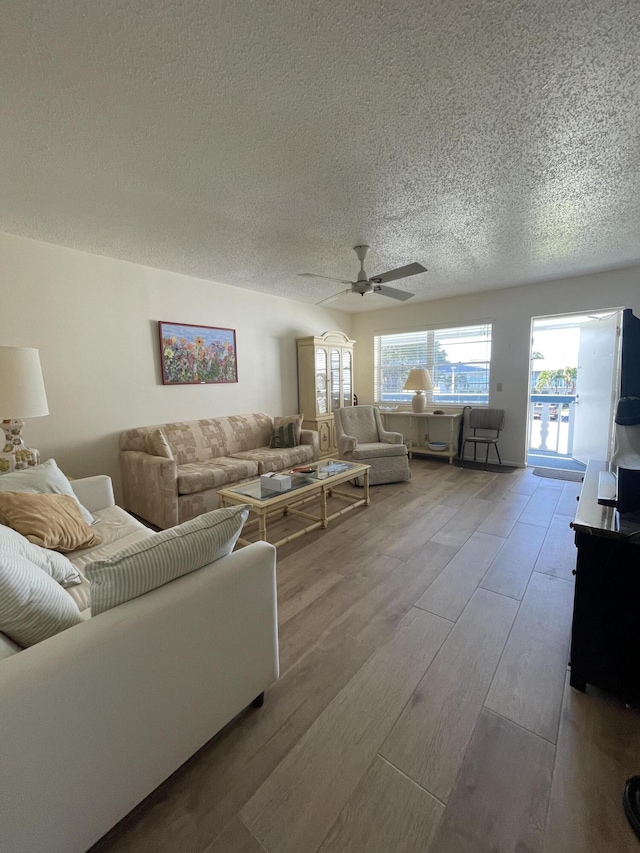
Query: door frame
[[586, 315]]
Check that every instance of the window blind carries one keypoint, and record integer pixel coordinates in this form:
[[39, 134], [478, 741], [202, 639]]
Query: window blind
[[458, 360]]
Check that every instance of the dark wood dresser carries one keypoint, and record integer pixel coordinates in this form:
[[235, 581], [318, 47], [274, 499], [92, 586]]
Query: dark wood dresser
[[605, 638]]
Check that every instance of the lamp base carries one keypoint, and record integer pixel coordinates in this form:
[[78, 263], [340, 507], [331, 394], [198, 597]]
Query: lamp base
[[15, 456], [419, 402]]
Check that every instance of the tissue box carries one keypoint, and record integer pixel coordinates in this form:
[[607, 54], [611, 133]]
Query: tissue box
[[275, 482]]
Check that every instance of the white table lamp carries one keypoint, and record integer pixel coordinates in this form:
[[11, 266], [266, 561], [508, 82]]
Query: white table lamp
[[419, 381], [22, 395]]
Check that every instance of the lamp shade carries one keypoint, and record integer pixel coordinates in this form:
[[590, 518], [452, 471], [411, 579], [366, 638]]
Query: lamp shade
[[418, 379], [22, 393]]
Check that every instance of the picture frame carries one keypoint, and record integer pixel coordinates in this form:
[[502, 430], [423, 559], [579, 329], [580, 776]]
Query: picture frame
[[197, 355]]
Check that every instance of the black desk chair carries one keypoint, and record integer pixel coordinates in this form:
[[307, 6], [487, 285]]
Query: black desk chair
[[486, 425]]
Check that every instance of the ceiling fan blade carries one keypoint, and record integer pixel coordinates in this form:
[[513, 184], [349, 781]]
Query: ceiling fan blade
[[332, 298], [325, 277], [401, 272], [392, 292]]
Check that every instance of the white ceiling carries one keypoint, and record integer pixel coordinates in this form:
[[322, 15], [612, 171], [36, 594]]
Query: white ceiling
[[495, 141]]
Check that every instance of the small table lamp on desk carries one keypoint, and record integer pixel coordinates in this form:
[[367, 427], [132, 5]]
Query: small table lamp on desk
[[22, 395]]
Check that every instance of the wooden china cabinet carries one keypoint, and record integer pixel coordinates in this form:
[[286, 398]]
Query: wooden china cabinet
[[325, 383]]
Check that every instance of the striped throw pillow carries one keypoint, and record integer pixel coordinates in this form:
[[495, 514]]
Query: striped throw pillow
[[286, 431], [284, 436], [33, 606], [156, 560], [59, 567]]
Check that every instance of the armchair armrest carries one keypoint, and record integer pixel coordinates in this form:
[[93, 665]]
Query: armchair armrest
[[310, 436], [150, 487], [390, 437], [346, 444], [385, 435]]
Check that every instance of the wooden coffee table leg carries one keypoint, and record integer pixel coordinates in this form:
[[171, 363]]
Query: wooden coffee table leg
[[323, 507], [367, 499], [262, 526]]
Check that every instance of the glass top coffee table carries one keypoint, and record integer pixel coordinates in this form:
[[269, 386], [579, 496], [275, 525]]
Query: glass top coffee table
[[319, 482]]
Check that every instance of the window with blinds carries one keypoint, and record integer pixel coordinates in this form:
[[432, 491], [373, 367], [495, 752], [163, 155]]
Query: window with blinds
[[458, 360]]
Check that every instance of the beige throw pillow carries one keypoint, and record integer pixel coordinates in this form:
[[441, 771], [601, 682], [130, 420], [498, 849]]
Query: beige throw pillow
[[51, 521], [156, 444], [43, 479]]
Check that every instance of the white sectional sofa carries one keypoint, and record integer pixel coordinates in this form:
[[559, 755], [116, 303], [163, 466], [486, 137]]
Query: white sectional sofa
[[96, 717]]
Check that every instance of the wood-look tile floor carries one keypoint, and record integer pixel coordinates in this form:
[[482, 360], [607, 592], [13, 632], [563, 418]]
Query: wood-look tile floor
[[424, 702]]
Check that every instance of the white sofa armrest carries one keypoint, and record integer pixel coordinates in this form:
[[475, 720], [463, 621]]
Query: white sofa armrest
[[94, 492], [93, 719]]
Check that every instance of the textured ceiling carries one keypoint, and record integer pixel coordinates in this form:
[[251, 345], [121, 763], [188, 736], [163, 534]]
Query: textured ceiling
[[497, 142]]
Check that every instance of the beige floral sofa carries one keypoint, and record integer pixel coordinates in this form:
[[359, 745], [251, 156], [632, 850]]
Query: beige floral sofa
[[172, 472]]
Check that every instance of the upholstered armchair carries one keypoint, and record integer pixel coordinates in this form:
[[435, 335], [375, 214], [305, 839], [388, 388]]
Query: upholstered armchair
[[362, 438]]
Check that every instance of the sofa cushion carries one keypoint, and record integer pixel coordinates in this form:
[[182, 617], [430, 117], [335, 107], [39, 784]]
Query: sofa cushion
[[200, 441], [375, 450], [246, 432], [51, 521], [59, 567], [195, 441], [43, 479], [269, 459], [81, 595], [198, 476], [8, 647], [186, 441], [33, 606], [117, 529], [158, 559]]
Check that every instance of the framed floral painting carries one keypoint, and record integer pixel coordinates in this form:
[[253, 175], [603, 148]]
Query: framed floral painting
[[197, 355]]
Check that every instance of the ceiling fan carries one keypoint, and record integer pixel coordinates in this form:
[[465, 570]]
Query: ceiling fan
[[375, 284]]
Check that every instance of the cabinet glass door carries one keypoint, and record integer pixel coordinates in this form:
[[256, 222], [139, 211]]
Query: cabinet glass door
[[335, 379], [322, 391], [347, 379]]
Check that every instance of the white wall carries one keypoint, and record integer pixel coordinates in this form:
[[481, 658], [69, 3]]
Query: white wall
[[510, 312], [94, 320]]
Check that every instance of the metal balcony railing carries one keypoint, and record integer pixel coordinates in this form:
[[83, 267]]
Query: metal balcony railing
[[551, 421]]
